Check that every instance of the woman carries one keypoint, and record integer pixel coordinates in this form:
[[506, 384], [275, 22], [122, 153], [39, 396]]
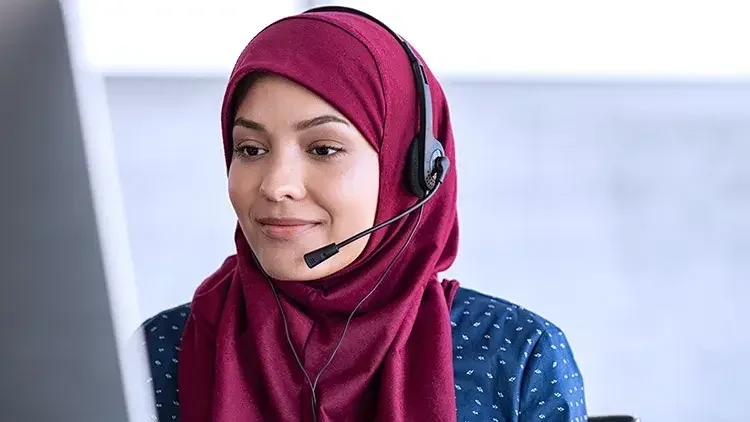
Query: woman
[[318, 122]]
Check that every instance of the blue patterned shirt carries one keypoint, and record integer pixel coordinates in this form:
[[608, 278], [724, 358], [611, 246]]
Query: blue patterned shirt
[[510, 365]]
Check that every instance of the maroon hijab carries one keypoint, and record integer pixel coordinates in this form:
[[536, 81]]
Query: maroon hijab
[[395, 362]]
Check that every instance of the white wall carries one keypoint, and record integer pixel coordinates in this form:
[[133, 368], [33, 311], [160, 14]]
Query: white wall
[[582, 38], [167, 36], [620, 211]]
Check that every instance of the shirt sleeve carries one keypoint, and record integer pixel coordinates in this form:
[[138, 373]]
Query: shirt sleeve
[[551, 384]]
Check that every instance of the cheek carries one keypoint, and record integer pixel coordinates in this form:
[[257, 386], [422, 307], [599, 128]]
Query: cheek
[[353, 198], [241, 187]]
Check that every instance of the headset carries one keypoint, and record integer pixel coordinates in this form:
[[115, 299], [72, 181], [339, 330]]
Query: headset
[[425, 171], [427, 163]]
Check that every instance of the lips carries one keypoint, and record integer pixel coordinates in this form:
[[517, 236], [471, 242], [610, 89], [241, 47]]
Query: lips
[[285, 228]]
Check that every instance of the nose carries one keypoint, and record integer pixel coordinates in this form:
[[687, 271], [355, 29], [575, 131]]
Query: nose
[[284, 178]]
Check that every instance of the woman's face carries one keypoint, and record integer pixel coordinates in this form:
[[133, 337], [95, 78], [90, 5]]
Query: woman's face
[[301, 177]]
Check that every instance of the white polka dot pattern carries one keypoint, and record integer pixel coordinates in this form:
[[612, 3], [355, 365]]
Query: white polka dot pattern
[[509, 363], [162, 336]]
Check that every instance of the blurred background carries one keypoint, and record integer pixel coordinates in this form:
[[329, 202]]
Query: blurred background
[[603, 152]]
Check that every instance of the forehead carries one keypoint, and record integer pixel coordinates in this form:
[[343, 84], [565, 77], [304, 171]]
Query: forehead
[[274, 97]]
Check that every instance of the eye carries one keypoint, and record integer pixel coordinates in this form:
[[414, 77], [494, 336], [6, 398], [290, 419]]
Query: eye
[[248, 151], [325, 150]]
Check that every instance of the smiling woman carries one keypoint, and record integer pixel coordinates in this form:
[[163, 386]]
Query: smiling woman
[[324, 140], [300, 177]]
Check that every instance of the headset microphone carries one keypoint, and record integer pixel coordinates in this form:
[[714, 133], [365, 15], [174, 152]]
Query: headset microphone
[[314, 258], [426, 164]]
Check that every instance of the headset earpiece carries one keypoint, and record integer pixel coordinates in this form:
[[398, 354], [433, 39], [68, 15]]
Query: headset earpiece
[[420, 172], [414, 177]]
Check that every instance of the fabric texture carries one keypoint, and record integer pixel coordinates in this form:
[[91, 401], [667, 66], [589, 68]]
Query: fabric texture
[[395, 363], [510, 364]]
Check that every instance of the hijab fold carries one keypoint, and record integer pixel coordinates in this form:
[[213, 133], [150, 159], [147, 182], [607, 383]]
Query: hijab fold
[[395, 363]]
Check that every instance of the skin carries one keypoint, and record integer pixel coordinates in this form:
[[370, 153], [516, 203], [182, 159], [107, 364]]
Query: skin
[[301, 177]]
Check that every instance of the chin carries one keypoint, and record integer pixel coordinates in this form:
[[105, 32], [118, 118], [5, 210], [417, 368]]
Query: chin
[[287, 263], [290, 272], [292, 267], [287, 266]]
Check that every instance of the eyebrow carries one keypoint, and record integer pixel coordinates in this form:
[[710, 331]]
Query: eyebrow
[[299, 126]]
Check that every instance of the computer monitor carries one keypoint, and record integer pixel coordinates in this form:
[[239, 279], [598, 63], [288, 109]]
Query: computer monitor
[[66, 294]]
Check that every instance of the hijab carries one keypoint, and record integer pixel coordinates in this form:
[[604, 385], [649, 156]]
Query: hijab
[[395, 361]]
